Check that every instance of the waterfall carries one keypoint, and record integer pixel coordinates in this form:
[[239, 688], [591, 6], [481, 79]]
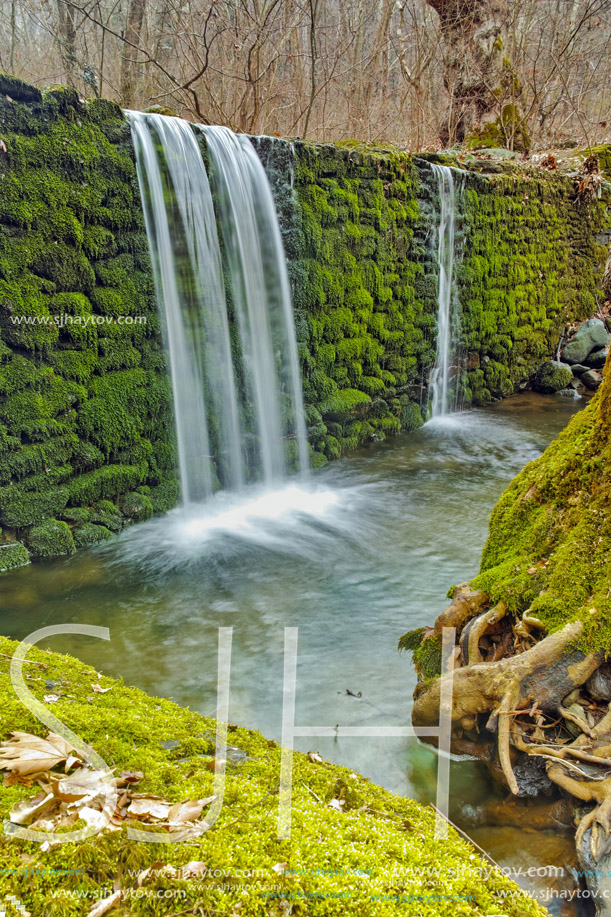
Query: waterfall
[[218, 262], [442, 399]]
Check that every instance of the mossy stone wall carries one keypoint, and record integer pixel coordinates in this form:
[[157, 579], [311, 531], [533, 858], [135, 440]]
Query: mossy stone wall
[[85, 403], [86, 432], [533, 261]]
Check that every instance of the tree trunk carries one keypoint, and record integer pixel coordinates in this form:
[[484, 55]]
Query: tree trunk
[[129, 63], [67, 39], [474, 35]]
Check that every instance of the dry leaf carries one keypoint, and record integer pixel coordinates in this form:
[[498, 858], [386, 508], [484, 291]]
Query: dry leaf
[[24, 811], [128, 777], [100, 690], [187, 811], [195, 869], [280, 867], [144, 805], [337, 804], [103, 906], [24, 753], [85, 784], [315, 756]]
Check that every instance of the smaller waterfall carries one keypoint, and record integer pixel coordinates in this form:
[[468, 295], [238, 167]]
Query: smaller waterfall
[[442, 395]]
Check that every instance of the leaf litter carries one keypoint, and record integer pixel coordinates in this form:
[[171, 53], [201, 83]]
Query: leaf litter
[[80, 792]]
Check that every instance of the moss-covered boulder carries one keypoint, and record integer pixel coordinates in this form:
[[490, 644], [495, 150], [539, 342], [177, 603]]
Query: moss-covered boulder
[[552, 376], [52, 538], [592, 335], [88, 534], [14, 554], [371, 853]]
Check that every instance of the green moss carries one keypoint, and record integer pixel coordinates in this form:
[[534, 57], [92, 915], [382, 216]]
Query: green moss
[[12, 555], [137, 507], [549, 545], [89, 534], [50, 539], [378, 848]]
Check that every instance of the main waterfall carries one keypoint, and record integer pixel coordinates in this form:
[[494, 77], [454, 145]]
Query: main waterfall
[[224, 298], [443, 396]]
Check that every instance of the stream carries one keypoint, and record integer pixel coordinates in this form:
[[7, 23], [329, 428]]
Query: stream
[[353, 556]]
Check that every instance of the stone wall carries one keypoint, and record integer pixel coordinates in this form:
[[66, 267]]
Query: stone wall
[[86, 435]]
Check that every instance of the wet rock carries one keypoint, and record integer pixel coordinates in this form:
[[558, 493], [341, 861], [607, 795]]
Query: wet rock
[[592, 379], [598, 358], [579, 369], [599, 685], [552, 376], [592, 335], [532, 777], [578, 386], [13, 555]]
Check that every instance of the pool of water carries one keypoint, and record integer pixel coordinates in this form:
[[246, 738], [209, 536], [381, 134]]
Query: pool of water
[[354, 557]]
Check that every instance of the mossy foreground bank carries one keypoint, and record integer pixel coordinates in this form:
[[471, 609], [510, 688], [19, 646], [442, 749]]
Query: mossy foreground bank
[[87, 442], [366, 853]]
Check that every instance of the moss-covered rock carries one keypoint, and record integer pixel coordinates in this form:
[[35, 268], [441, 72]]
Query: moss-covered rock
[[552, 376], [137, 507], [14, 554], [89, 534], [52, 538], [371, 858]]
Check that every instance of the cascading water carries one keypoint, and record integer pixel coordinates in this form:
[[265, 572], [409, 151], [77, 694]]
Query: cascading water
[[442, 396], [261, 294], [237, 398]]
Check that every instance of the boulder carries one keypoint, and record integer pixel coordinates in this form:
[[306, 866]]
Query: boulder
[[592, 335], [598, 358], [592, 379], [579, 369], [552, 376]]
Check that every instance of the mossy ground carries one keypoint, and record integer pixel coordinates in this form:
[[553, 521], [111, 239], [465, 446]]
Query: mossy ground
[[355, 862], [549, 547]]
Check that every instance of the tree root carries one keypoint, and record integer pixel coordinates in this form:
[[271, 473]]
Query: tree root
[[534, 700]]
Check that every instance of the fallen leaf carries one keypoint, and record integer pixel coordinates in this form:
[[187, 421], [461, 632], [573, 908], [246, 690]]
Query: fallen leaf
[[100, 690], [129, 777], [195, 869], [24, 753], [337, 804], [26, 810], [103, 906], [280, 867], [315, 756], [188, 811], [144, 805]]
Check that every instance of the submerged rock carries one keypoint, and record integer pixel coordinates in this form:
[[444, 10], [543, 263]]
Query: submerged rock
[[592, 335], [552, 376]]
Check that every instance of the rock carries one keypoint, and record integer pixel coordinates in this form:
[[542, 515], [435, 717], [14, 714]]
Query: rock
[[13, 555], [532, 777], [551, 377], [598, 358], [592, 335], [592, 379], [579, 369], [568, 392], [51, 538], [577, 386], [599, 685]]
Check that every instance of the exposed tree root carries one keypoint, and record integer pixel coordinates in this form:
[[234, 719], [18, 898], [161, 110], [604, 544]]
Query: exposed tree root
[[534, 702]]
